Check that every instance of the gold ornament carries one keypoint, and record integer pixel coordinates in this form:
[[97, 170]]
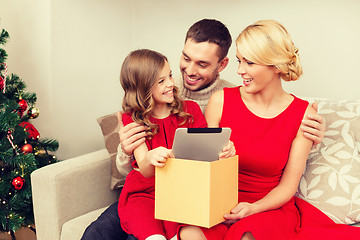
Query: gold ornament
[[33, 112]]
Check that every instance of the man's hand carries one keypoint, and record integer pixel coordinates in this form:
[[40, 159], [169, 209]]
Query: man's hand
[[131, 136], [314, 126]]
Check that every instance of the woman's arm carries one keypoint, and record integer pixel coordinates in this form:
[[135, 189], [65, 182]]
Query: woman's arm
[[289, 182], [214, 109], [213, 114]]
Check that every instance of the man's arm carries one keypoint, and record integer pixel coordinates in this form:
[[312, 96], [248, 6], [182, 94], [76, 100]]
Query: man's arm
[[314, 126], [131, 136]]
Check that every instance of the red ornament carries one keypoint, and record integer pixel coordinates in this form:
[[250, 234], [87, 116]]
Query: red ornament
[[3, 79], [2, 83], [33, 132], [23, 105], [18, 183], [27, 148]]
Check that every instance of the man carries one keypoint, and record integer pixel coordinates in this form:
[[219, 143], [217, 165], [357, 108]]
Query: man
[[203, 58]]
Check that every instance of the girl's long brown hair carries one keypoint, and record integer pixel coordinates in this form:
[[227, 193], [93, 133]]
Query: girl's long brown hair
[[139, 73]]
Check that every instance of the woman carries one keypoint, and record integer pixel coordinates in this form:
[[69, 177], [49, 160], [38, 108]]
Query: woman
[[265, 122]]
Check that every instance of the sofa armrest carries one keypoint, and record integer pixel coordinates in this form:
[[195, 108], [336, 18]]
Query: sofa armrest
[[68, 189]]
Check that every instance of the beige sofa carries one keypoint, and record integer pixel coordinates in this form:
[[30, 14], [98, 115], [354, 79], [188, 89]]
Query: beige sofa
[[69, 195]]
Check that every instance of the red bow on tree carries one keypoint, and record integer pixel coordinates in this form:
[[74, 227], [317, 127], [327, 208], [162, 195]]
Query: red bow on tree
[[29, 128]]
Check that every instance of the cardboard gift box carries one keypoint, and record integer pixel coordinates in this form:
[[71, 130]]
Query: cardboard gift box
[[196, 192]]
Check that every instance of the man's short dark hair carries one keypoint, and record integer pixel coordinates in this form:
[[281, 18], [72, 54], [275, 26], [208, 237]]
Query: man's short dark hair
[[213, 31]]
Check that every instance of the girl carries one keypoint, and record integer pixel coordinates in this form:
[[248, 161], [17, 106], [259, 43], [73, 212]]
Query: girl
[[152, 99], [265, 122]]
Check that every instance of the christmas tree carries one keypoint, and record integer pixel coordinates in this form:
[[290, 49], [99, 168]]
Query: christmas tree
[[21, 149]]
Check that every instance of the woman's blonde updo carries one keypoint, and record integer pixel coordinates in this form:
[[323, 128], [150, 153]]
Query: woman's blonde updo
[[267, 42]]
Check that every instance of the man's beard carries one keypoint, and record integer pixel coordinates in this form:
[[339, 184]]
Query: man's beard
[[214, 76]]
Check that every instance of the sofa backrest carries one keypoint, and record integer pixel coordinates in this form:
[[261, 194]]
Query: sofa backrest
[[332, 176]]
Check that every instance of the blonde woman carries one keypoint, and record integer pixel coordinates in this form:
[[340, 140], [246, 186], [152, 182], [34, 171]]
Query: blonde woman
[[265, 122]]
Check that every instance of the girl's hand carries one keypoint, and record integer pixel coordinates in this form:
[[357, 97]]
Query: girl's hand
[[158, 156], [242, 210], [228, 151]]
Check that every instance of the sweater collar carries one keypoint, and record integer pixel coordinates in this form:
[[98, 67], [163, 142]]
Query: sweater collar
[[203, 93]]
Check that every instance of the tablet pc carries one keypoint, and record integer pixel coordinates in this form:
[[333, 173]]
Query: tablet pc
[[203, 144]]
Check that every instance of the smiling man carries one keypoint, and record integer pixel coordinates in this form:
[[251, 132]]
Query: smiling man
[[204, 56]]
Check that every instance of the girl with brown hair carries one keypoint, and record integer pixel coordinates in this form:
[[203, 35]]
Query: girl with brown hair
[[152, 99]]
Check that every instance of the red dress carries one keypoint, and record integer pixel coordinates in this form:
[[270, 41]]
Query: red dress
[[263, 146], [137, 198]]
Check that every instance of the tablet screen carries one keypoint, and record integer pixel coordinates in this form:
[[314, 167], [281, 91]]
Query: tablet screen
[[203, 144]]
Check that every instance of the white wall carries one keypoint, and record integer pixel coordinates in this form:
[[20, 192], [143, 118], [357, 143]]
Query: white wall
[[28, 23], [70, 52], [88, 40]]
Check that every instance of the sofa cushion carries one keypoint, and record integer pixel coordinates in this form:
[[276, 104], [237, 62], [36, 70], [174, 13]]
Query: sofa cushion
[[356, 224], [332, 176], [74, 229], [110, 128]]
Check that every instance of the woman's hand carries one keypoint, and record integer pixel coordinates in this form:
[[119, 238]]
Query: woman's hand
[[158, 156], [228, 151], [242, 210]]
